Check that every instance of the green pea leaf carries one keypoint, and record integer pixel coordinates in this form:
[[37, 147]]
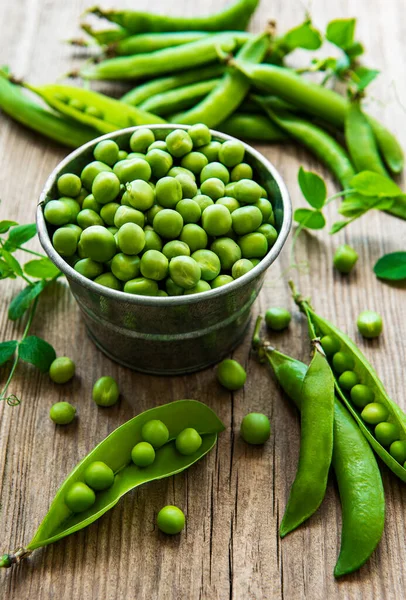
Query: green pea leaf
[[311, 219], [313, 188], [355, 49], [338, 226], [391, 266], [23, 300], [368, 183], [356, 205], [43, 268], [303, 36], [12, 262], [340, 32], [6, 271], [362, 77], [5, 225], [20, 235], [37, 352], [7, 350]]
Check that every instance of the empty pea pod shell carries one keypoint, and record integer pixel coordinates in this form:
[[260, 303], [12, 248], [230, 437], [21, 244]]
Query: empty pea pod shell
[[115, 451]]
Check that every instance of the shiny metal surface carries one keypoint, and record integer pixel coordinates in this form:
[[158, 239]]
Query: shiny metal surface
[[168, 335]]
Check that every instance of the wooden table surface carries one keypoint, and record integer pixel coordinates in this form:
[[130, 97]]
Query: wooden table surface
[[235, 497]]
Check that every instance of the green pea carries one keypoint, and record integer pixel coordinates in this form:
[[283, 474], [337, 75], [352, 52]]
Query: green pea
[[81, 196], [179, 142], [374, 413], [216, 220], [140, 195], [213, 187], [99, 476], [170, 520], [255, 428], [188, 441], [266, 209], [345, 258], [90, 171], [94, 112], [62, 369], [131, 238], [159, 161], [203, 201], [386, 433], [98, 243], [211, 150], [168, 192], [253, 245], [277, 318], [155, 432], [241, 267], [221, 280], [361, 395], [215, 170], [141, 139], [69, 185], [247, 191], [255, 261], [109, 280], [173, 289], [330, 344], [231, 375], [343, 362], [184, 271], [65, 240], [77, 104], [241, 171], [246, 219], [227, 251], [348, 380], [62, 413], [89, 218], [108, 212], [231, 153], [106, 391], [90, 203], [208, 262], [88, 268], [370, 324], [136, 168], [154, 265], [79, 497], [194, 161], [269, 232], [152, 212], [201, 286], [107, 152], [168, 223], [58, 213], [175, 248], [231, 203], [141, 286], [200, 135], [158, 145], [162, 293], [143, 454], [175, 171], [127, 214], [125, 267], [398, 451], [122, 155], [188, 185], [190, 210], [194, 236], [152, 241]]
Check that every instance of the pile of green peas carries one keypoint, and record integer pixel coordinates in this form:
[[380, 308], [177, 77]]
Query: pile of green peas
[[99, 476], [179, 215], [375, 414]]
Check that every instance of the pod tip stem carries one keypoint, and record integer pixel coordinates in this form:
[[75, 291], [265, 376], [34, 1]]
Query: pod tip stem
[[256, 339]]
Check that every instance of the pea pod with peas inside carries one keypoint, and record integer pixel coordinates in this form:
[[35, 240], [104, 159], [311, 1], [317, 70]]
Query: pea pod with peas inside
[[115, 451], [357, 385], [358, 476]]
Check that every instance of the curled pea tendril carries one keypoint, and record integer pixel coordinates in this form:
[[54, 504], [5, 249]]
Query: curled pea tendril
[[12, 400]]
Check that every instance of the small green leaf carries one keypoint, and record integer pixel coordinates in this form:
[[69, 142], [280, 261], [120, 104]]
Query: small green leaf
[[6, 271], [12, 262], [5, 225], [23, 300], [313, 188], [43, 268], [362, 77], [369, 183], [311, 219], [391, 266], [7, 350], [338, 226], [341, 32], [20, 235], [38, 352], [354, 50], [303, 36]]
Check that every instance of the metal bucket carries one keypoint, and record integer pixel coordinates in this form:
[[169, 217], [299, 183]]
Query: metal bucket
[[168, 335]]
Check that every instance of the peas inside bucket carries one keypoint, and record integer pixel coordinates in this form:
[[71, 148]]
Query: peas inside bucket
[[165, 249]]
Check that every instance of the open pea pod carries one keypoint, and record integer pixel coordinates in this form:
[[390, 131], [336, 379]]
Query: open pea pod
[[115, 451]]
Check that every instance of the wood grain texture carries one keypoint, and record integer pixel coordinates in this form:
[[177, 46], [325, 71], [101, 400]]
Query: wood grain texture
[[234, 499]]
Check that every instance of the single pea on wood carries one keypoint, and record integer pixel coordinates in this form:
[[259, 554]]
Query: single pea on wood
[[231, 374]]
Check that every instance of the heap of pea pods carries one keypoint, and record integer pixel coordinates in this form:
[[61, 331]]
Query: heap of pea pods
[[179, 215]]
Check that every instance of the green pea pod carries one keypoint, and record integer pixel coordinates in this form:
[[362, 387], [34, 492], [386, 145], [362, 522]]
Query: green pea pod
[[234, 16], [367, 376], [115, 451], [358, 476], [107, 114], [316, 444], [106, 36], [161, 62], [146, 90], [252, 127], [228, 95], [361, 141], [181, 98], [22, 109], [319, 101]]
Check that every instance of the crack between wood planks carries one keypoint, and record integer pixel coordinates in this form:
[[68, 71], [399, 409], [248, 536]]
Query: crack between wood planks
[[230, 559]]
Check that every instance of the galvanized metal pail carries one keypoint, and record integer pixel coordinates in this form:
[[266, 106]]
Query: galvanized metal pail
[[167, 335]]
